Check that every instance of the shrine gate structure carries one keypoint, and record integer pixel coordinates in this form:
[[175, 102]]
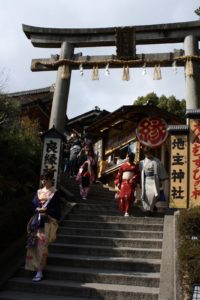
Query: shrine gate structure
[[185, 143]]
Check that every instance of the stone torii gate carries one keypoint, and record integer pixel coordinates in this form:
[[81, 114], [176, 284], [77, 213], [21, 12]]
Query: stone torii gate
[[185, 139], [125, 39]]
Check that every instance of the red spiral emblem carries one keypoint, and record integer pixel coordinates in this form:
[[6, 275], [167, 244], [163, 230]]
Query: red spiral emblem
[[152, 132]]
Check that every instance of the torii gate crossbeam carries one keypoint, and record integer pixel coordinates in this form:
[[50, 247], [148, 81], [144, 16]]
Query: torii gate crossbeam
[[101, 37]]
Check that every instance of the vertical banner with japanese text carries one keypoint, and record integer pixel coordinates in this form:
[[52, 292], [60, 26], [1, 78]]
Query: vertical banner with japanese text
[[51, 156], [194, 185], [179, 176], [137, 152]]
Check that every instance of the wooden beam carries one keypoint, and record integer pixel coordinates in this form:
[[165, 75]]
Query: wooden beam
[[164, 59]]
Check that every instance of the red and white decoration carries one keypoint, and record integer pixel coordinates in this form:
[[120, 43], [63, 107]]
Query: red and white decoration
[[152, 132]]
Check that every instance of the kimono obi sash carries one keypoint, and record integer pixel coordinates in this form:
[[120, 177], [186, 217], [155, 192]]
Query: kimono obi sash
[[127, 175], [148, 173]]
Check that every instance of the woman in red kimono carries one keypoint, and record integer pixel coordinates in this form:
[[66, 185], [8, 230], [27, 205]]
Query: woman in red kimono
[[126, 181]]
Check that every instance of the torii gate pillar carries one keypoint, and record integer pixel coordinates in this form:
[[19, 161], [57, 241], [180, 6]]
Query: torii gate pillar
[[192, 80], [61, 93]]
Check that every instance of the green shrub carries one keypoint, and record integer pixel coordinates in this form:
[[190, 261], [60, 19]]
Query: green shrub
[[14, 216], [189, 249], [20, 157], [20, 161]]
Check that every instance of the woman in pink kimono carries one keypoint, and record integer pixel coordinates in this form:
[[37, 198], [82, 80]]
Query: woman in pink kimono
[[84, 179], [126, 181], [43, 225]]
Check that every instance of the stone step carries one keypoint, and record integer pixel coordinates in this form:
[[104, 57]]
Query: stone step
[[95, 213], [100, 196], [81, 216], [112, 225], [89, 206], [97, 198], [107, 241], [101, 192], [100, 262], [98, 275], [14, 295], [72, 183], [95, 190], [100, 201], [109, 211], [94, 207], [87, 290], [98, 254], [89, 250], [110, 233]]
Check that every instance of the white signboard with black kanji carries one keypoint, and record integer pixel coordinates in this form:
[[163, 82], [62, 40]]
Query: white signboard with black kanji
[[51, 156]]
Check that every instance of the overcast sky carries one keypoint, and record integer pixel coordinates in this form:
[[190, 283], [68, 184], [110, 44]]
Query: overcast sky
[[110, 93]]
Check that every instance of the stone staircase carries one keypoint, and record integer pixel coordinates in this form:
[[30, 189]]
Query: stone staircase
[[98, 254]]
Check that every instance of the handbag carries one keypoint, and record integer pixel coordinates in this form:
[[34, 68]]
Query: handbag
[[162, 196], [32, 231]]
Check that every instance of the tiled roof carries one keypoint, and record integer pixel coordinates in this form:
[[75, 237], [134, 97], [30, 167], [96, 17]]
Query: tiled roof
[[32, 92], [33, 96]]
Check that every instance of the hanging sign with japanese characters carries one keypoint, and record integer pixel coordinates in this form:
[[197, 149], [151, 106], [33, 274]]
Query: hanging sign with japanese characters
[[51, 155], [179, 176], [194, 185], [152, 132]]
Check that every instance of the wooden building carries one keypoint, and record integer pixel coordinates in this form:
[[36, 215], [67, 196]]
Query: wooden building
[[79, 124], [116, 134], [36, 104]]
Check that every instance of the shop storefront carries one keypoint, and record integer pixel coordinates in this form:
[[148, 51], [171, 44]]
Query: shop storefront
[[117, 134]]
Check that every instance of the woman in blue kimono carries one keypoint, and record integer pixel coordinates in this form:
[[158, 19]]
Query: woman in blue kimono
[[152, 176]]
